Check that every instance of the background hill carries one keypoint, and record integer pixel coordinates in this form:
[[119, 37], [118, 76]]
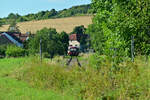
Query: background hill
[[49, 14], [61, 24]]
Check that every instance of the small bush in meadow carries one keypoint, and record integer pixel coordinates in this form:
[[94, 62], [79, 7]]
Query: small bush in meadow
[[14, 51]]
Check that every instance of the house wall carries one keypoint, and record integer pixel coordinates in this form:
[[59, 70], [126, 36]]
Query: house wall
[[74, 44]]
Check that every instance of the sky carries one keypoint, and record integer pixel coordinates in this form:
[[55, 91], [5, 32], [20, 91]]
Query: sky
[[24, 7]]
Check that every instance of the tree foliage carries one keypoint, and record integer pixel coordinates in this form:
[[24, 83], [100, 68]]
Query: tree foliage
[[79, 30], [13, 26], [52, 42], [114, 24], [0, 24], [64, 38]]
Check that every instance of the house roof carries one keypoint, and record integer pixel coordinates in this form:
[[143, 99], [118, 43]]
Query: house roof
[[77, 37], [73, 37], [14, 37], [17, 36], [13, 40], [4, 39]]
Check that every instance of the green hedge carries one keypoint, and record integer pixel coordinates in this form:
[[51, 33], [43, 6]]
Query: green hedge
[[14, 51]]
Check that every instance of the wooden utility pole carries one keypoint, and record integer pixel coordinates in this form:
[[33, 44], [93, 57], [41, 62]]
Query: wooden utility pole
[[132, 48], [41, 49]]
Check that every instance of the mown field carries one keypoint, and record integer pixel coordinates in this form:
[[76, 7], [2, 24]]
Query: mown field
[[61, 24], [28, 79]]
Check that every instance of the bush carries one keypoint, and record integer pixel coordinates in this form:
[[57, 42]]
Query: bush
[[2, 50], [46, 55], [14, 51]]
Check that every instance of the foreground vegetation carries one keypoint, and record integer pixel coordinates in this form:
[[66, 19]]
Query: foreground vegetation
[[28, 79], [119, 23], [110, 77], [12, 88]]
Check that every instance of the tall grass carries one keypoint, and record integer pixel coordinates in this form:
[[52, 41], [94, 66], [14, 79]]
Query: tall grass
[[12, 88], [126, 81], [9, 65]]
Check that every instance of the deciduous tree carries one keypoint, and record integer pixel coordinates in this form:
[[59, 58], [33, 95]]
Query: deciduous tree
[[52, 44], [13, 26], [114, 24]]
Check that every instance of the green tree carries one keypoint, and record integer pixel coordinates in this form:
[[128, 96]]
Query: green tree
[[22, 19], [136, 19], [51, 43], [53, 12], [11, 16], [116, 21], [64, 38], [97, 39], [40, 15], [0, 24], [13, 26], [2, 21], [79, 30]]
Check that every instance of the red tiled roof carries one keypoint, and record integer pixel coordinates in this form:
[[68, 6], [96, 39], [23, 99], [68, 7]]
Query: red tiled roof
[[73, 37]]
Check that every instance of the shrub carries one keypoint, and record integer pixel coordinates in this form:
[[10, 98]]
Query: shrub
[[2, 50], [14, 51], [46, 55]]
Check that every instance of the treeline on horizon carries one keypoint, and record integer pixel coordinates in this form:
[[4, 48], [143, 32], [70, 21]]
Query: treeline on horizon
[[73, 11]]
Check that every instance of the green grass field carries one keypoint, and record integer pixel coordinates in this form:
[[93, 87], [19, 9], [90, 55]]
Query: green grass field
[[14, 89], [28, 79]]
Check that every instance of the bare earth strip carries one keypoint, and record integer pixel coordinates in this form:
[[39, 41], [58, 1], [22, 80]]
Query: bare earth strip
[[61, 24]]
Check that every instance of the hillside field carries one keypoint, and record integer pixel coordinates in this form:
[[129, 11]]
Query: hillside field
[[61, 24]]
